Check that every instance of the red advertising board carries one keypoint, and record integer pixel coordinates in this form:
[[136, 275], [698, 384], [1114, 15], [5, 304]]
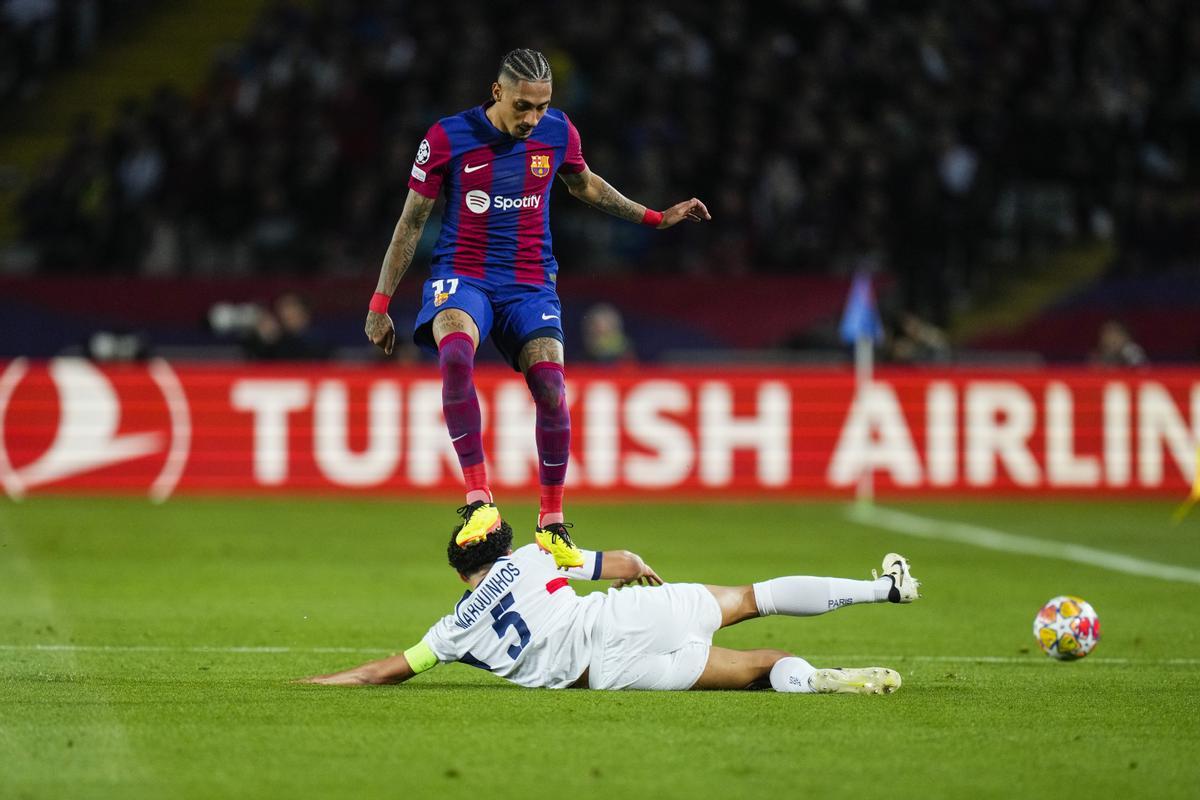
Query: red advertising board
[[68, 425]]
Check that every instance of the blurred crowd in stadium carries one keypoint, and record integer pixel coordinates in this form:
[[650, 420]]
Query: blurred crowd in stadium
[[38, 35], [933, 141]]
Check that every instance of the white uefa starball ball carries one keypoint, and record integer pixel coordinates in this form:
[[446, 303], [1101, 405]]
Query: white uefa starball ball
[[1067, 628]]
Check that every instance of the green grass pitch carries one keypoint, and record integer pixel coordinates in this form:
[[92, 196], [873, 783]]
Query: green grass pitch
[[134, 660]]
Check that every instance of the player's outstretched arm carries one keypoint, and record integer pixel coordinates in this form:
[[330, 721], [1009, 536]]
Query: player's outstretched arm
[[393, 669], [399, 255], [623, 568], [599, 193]]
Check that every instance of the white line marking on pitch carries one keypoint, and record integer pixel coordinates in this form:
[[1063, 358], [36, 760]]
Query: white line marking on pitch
[[154, 648], [992, 539], [270, 650], [1030, 659]]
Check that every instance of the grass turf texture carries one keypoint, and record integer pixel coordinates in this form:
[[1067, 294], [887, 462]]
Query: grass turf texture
[[167, 718]]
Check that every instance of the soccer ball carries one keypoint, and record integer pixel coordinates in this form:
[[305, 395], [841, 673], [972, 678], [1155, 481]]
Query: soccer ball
[[1067, 628]]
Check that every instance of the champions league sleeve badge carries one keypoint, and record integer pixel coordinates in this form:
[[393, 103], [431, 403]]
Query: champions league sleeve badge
[[539, 165]]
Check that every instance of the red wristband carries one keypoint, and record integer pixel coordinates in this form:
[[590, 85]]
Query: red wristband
[[379, 302], [652, 218]]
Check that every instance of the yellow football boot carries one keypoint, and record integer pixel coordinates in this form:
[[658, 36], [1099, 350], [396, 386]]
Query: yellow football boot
[[479, 519], [555, 540], [873, 680]]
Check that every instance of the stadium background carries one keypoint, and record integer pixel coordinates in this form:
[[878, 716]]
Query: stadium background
[[194, 201]]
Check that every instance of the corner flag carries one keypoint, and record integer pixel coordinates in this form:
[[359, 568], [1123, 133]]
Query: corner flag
[[1193, 498], [860, 320], [860, 327]]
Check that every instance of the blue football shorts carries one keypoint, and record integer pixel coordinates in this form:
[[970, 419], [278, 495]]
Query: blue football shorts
[[512, 314]]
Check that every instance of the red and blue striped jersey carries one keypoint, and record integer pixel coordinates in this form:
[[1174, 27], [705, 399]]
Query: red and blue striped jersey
[[496, 226]]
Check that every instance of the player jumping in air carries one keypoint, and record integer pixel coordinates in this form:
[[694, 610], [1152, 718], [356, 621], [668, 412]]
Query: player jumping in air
[[522, 621], [493, 272]]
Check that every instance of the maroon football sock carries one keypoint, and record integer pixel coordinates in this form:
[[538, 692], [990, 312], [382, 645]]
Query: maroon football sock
[[460, 406], [553, 435], [550, 508]]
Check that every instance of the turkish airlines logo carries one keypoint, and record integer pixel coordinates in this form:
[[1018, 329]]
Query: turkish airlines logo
[[86, 435]]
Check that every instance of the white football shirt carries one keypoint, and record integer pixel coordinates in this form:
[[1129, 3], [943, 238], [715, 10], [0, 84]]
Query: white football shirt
[[523, 621]]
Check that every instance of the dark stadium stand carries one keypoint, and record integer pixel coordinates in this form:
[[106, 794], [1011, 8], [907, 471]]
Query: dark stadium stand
[[937, 142], [1162, 312], [661, 318], [40, 36]]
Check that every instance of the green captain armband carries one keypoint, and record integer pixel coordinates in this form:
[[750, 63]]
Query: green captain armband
[[420, 658]]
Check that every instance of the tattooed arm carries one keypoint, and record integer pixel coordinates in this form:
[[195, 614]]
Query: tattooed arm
[[399, 255], [598, 193]]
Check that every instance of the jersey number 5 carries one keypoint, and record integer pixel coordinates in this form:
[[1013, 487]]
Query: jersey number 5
[[506, 619]]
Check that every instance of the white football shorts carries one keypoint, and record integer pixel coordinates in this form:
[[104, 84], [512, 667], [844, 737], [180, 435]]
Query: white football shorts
[[653, 637]]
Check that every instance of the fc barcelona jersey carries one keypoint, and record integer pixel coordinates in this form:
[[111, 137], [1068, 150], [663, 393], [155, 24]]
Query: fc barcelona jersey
[[496, 226]]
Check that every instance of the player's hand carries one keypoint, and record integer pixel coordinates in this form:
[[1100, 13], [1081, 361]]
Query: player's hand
[[381, 332], [689, 209], [337, 679], [646, 576]]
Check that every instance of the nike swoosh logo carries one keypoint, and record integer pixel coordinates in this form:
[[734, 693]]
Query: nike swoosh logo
[[456, 438], [548, 464], [549, 316], [469, 168]]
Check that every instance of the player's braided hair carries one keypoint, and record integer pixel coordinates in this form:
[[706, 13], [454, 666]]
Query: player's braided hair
[[524, 64], [466, 560]]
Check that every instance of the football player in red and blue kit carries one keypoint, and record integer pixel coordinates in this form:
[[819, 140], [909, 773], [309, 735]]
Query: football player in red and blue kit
[[493, 272]]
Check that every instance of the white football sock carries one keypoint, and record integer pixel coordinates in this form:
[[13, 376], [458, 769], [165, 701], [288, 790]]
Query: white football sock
[[805, 596], [791, 675]]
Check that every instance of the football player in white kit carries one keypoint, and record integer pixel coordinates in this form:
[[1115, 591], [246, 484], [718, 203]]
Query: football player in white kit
[[521, 620]]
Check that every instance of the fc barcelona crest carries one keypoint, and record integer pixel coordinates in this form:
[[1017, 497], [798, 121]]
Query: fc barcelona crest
[[539, 165]]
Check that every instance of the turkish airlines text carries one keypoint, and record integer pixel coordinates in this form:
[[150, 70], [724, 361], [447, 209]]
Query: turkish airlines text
[[811, 432]]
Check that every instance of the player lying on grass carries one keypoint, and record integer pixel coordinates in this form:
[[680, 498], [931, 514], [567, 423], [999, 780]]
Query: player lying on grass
[[521, 620]]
